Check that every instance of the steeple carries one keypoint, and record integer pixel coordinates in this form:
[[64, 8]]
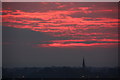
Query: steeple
[[83, 69], [83, 64]]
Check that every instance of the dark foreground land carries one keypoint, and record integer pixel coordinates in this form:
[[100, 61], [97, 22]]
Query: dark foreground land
[[60, 72]]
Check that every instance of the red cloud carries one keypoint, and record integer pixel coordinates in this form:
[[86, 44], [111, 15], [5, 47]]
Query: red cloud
[[76, 45], [79, 43], [60, 23]]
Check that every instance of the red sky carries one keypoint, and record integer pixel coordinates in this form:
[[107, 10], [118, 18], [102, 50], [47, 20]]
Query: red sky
[[74, 24]]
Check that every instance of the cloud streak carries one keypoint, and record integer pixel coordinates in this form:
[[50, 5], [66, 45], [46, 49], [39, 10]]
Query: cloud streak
[[64, 21]]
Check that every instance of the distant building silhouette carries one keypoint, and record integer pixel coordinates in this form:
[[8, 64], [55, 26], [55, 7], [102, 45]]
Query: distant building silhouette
[[83, 64], [83, 68]]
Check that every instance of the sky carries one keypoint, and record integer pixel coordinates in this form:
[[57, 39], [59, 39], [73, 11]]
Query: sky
[[60, 34], [60, 0], [0, 27]]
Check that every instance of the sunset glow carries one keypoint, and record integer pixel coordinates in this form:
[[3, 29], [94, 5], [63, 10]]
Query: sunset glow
[[73, 25]]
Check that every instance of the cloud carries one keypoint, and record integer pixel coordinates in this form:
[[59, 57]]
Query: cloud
[[79, 43], [61, 22]]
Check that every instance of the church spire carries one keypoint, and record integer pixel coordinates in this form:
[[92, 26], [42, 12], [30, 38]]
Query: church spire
[[83, 64], [83, 69]]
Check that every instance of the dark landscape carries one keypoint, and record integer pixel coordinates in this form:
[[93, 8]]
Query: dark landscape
[[60, 72]]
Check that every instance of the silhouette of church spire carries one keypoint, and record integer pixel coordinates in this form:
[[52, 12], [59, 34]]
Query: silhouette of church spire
[[83, 64], [83, 69]]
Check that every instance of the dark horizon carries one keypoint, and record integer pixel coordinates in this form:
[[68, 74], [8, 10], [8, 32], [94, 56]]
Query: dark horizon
[[60, 72]]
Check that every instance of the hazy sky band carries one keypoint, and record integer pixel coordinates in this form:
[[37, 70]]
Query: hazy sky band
[[60, 0]]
